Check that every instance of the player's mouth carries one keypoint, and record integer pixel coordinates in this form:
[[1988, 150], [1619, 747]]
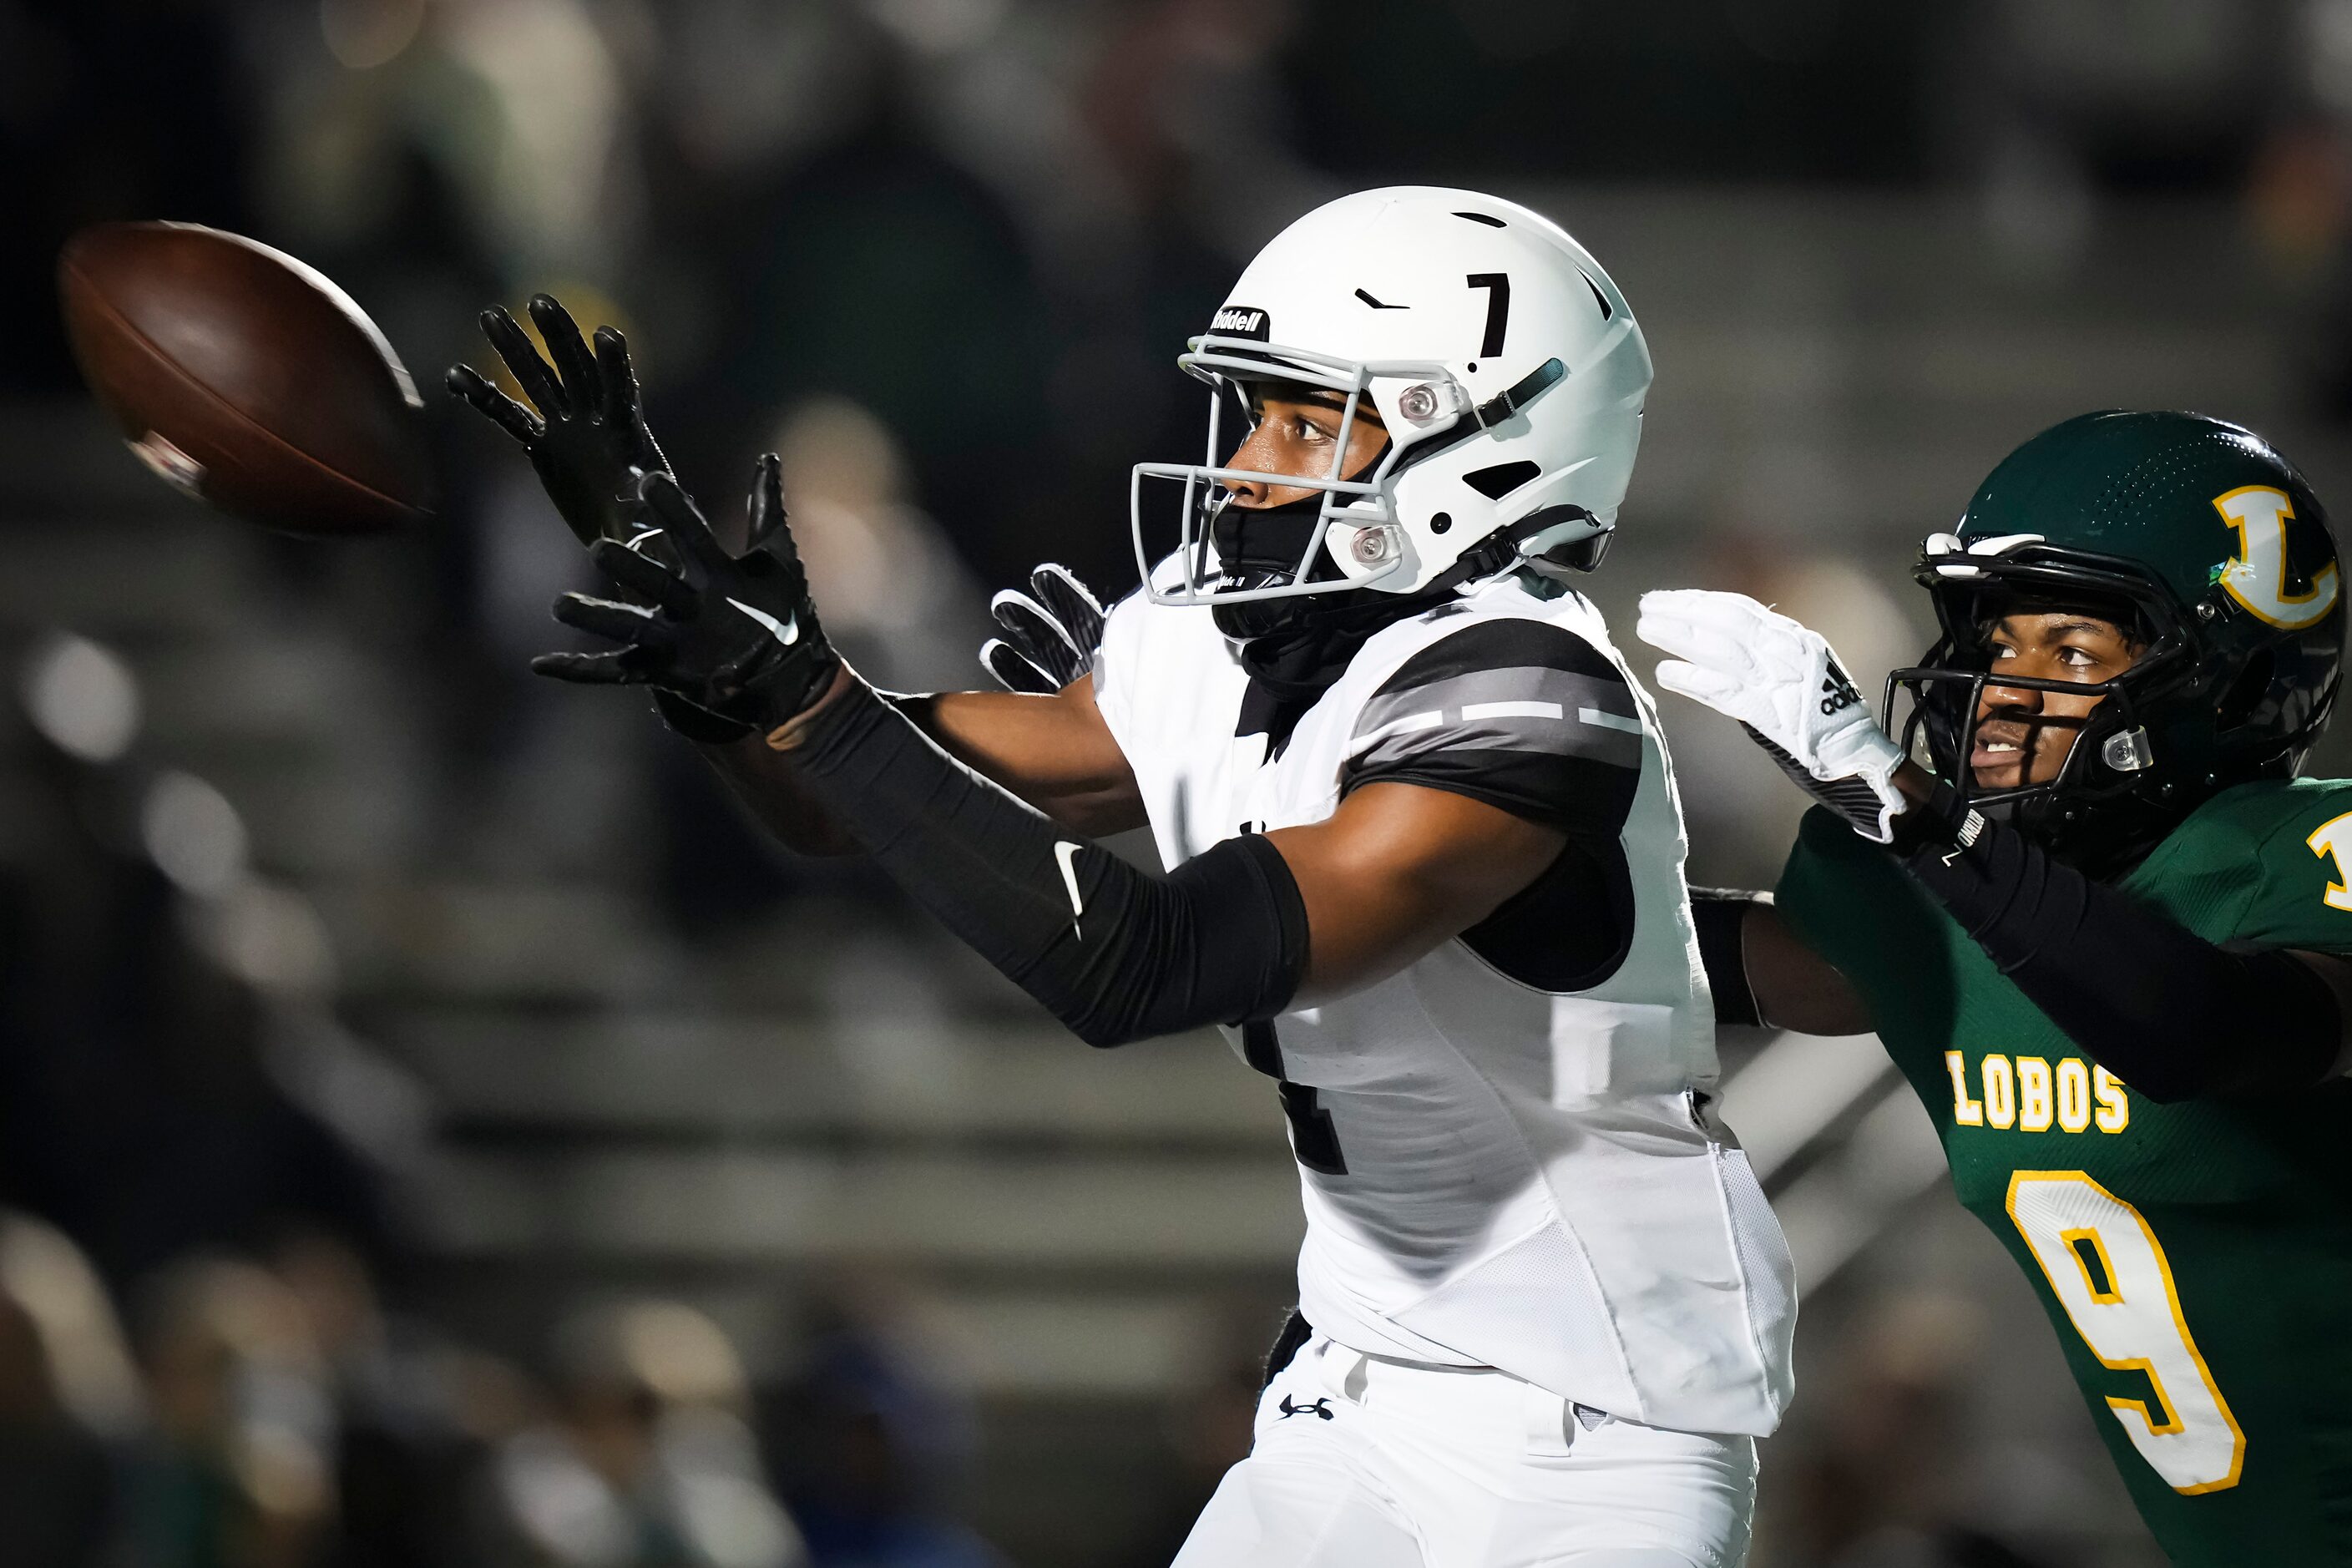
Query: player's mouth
[[2007, 751], [2000, 755]]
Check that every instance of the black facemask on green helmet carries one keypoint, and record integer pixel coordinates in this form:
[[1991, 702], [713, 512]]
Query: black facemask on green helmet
[[2200, 542]]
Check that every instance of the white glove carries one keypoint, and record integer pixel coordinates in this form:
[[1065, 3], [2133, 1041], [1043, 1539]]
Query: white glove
[[1785, 686]]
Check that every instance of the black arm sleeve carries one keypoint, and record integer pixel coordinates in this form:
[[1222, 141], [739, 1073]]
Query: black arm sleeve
[[1116, 953], [2170, 1014], [1719, 913]]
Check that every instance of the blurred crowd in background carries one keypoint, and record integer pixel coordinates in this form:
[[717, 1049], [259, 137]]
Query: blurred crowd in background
[[261, 1300]]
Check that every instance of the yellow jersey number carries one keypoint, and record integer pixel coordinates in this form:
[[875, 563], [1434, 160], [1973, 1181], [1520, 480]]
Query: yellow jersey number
[[2107, 1269]]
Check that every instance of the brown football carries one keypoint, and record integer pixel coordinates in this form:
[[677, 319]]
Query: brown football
[[246, 378]]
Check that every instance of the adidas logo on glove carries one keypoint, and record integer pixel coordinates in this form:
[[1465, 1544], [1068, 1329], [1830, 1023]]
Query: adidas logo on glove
[[1838, 692]]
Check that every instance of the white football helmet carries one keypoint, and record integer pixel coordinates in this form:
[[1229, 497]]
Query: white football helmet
[[1505, 364]]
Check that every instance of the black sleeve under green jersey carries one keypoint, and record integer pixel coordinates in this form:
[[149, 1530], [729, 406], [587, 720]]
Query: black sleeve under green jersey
[[2195, 1259]]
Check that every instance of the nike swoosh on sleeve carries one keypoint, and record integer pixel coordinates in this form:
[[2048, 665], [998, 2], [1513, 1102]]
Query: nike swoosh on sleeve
[[1067, 854]]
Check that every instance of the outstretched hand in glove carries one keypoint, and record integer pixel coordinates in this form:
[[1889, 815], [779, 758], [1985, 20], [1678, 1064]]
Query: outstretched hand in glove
[[733, 636], [1784, 685], [588, 441], [1052, 633]]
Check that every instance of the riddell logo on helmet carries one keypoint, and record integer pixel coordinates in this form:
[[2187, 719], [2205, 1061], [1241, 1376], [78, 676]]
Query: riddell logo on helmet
[[1241, 322]]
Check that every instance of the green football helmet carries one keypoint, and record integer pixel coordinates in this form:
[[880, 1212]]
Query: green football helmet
[[2206, 544]]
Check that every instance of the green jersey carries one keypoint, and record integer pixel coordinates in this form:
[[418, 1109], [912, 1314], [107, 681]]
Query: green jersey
[[2194, 1257]]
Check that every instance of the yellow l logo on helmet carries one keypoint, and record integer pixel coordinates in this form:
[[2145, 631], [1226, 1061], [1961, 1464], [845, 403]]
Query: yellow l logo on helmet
[[2257, 578]]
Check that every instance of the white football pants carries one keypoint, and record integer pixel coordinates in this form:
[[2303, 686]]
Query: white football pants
[[1365, 1462]]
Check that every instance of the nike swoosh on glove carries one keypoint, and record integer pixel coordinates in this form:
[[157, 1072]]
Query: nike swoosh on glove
[[735, 635], [1051, 634], [1784, 685]]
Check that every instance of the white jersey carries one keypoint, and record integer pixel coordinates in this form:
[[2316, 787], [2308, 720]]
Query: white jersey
[[1502, 1165]]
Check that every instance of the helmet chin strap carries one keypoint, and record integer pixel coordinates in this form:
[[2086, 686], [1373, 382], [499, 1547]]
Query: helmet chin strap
[[1506, 549], [1268, 542]]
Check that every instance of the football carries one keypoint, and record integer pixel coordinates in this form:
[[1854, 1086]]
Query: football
[[246, 378]]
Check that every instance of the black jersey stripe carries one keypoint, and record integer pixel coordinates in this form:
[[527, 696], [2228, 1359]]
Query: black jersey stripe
[[1588, 800], [1502, 644]]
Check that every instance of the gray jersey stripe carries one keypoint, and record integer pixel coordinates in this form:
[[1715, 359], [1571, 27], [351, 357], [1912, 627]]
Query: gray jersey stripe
[[1558, 725], [1411, 721], [1513, 710], [1548, 709], [1553, 737], [1610, 720]]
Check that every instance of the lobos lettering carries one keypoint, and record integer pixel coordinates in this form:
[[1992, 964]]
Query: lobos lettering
[[2027, 1094]]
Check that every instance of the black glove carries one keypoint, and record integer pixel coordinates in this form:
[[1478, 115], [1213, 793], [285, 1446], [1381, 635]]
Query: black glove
[[1051, 634], [734, 636], [588, 441]]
